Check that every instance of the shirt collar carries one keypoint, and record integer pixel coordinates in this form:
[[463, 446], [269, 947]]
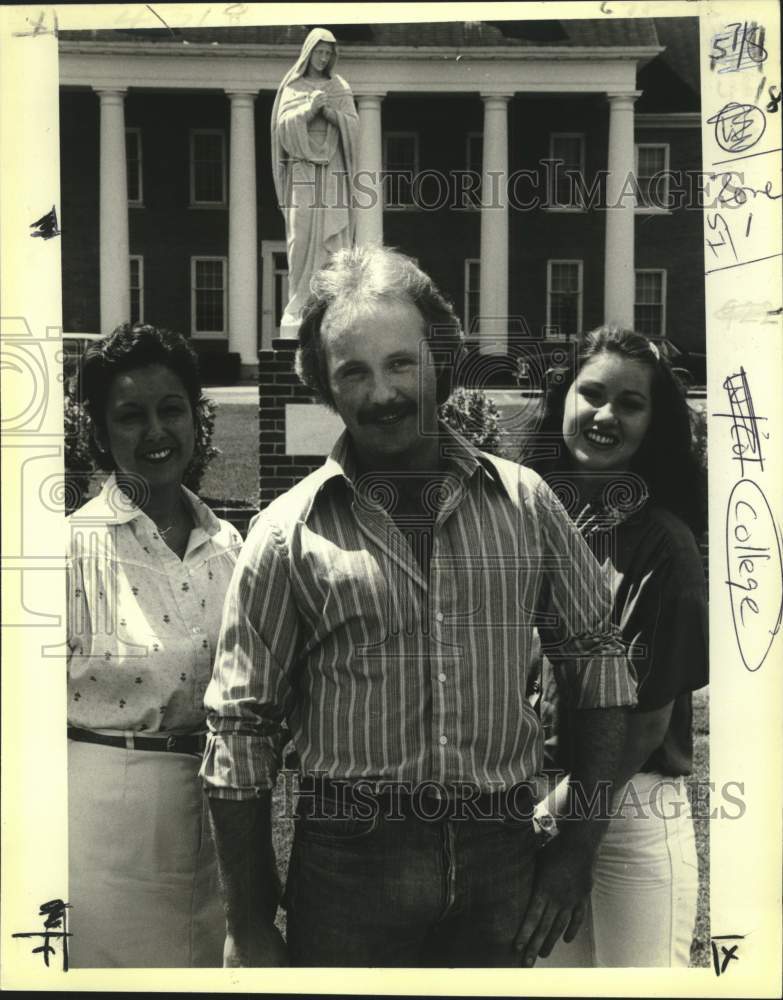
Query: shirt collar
[[464, 457], [113, 506]]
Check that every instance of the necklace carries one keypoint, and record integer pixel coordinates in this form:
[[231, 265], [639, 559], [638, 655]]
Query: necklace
[[164, 531]]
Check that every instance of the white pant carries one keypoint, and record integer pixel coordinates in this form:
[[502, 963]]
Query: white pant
[[643, 905]]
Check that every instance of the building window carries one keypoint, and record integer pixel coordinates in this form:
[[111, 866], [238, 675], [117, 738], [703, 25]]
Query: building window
[[281, 286], [208, 296], [400, 167], [137, 289], [474, 151], [207, 167], [652, 165], [569, 149], [563, 297], [274, 289], [133, 163], [472, 295], [474, 165], [649, 307]]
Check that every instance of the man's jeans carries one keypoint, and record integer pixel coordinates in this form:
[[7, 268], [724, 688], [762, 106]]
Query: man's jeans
[[408, 892]]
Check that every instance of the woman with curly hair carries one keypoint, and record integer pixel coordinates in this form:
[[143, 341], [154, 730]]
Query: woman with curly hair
[[616, 446], [148, 567]]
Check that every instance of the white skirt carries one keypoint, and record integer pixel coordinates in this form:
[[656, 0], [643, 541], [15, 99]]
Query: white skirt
[[143, 882]]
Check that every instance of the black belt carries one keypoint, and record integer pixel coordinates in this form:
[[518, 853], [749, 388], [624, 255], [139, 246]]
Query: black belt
[[190, 743], [428, 800]]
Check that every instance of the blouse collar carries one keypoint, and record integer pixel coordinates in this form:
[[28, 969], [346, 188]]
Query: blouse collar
[[113, 506]]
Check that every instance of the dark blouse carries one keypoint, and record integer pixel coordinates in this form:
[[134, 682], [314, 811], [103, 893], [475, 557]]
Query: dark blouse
[[660, 607]]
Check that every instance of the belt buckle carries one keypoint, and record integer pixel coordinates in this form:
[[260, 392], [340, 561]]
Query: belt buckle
[[171, 742]]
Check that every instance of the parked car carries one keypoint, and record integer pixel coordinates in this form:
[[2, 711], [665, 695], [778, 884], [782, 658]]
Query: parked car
[[530, 362], [690, 366]]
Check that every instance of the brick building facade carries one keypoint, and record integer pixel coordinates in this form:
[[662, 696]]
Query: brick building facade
[[168, 209], [170, 227]]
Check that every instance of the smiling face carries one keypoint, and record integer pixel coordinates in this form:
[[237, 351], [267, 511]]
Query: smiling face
[[149, 427], [608, 411], [320, 58], [383, 384]]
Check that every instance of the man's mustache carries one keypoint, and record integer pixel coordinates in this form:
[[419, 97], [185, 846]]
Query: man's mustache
[[374, 413]]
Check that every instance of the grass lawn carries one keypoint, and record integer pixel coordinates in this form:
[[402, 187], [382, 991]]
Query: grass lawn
[[234, 473], [700, 948]]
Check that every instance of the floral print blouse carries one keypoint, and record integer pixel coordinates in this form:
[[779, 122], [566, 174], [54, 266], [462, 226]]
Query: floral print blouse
[[142, 624]]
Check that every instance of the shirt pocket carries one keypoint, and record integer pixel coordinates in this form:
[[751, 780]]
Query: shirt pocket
[[349, 589]]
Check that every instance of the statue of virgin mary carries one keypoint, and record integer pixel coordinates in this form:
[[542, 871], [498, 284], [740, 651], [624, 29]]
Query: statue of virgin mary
[[314, 139]]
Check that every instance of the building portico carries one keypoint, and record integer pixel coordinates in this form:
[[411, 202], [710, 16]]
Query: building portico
[[499, 77]]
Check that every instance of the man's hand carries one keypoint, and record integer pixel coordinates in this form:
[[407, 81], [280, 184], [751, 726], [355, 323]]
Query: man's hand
[[563, 876], [262, 946], [559, 898]]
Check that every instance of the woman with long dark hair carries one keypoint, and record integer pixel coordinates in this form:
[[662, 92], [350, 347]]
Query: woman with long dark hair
[[616, 446]]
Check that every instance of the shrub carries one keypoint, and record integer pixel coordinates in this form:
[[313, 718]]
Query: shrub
[[699, 435], [204, 451], [78, 461], [475, 416]]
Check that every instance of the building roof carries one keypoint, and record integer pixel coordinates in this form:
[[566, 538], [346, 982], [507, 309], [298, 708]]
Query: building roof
[[670, 81], [680, 35], [449, 34]]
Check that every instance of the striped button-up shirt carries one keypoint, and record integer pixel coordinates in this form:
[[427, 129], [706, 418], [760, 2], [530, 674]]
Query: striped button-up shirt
[[332, 634]]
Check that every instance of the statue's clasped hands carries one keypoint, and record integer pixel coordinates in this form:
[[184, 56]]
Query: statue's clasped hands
[[320, 102]]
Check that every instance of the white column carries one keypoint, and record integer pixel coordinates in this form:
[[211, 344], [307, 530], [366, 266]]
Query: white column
[[493, 288], [242, 231], [113, 209], [369, 211], [620, 206]]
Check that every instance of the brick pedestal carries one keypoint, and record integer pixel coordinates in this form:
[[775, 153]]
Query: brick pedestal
[[278, 387]]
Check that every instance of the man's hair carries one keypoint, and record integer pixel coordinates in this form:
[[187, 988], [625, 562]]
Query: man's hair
[[666, 459], [125, 349], [364, 278]]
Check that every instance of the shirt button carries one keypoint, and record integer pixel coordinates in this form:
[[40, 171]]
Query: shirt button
[[443, 740], [441, 678], [439, 616]]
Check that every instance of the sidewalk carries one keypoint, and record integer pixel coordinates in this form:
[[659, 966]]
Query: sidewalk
[[242, 394], [509, 401]]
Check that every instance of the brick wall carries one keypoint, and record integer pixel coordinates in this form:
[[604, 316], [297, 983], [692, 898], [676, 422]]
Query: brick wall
[[79, 210], [277, 386]]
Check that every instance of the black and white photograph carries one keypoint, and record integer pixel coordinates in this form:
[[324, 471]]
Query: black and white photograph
[[395, 440]]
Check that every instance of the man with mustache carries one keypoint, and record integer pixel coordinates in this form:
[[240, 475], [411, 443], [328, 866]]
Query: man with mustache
[[382, 612]]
